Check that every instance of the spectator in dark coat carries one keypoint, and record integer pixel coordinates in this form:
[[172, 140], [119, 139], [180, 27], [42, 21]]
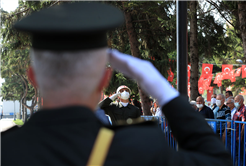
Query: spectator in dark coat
[[203, 109]]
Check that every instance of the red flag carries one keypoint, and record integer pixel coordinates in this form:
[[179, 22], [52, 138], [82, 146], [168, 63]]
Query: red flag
[[170, 75], [238, 72], [188, 90], [200, 81], [243, 71], [218, 78], [226, 69], [209, 93], [188, 72], [233, 78], [206, 70], [219, 83], [205, 85], [207, 82], [200, 89], [210, 78]]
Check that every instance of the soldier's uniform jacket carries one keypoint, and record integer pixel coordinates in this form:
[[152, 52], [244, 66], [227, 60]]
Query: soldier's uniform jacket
[[65, 136], [118, 112]]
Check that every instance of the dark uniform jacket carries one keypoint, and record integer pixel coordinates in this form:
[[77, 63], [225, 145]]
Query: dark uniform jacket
[[117, 111], [66, 136]]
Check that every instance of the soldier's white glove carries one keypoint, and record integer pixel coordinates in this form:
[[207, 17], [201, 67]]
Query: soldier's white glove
[[114, 96], [149, 78]]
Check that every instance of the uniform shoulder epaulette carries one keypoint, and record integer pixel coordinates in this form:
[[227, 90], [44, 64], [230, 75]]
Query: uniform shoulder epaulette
[[133, 122]]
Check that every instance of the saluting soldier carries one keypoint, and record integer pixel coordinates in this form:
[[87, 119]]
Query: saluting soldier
[[120, 111], [69, 54]]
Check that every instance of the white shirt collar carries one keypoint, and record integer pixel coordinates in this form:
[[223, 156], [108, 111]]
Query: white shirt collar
[[124, 104]]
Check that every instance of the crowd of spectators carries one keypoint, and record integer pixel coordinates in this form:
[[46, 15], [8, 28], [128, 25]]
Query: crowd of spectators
[[225, 107]]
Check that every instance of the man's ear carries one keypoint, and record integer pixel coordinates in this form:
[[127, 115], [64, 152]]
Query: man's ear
[[31, 76], [105, 79]]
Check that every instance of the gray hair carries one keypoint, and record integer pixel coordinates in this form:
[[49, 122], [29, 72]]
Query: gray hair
[[231, 97], [231, 100], [77, 73], [222, 96], [241, 97]]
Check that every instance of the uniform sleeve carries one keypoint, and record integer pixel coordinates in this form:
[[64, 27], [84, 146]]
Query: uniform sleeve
[[198, 144], [138, 112], [105, 105]]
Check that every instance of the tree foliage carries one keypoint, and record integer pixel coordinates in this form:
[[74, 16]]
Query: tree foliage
[[155, 25]]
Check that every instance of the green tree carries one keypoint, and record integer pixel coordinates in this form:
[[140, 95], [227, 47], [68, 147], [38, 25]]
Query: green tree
[[235, 14], [208, 40], [15, 47]]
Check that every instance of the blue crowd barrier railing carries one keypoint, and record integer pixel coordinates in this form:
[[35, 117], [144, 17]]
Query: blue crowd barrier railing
[[165, 128], [229, 135]]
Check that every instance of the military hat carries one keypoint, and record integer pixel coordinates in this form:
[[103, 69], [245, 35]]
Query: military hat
[[71, 26], [121, 87]]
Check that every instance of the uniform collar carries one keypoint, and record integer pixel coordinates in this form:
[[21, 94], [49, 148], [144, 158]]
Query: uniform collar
[[120, 105], [68, 114], [123, 104]]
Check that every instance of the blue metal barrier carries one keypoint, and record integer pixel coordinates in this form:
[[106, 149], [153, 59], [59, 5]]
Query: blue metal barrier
[[229, 136]]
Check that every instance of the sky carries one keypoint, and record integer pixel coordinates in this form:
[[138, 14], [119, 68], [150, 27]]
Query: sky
[[8, 5]]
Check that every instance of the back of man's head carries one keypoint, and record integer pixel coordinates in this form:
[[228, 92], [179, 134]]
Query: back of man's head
[[70, 74]]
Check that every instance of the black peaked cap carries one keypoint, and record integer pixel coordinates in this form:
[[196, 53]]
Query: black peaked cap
[[71, 26]]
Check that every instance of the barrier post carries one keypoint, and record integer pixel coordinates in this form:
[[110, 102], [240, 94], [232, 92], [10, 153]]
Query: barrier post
[[234, 140], [220, 129], [226, 135], [232, 129], [244, 146], [239, 144]]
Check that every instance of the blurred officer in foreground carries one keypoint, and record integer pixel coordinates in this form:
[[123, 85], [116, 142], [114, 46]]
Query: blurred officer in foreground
[[69, 56], [120, 110]]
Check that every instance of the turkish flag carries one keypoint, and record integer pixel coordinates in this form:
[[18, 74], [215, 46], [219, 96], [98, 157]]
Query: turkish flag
[[233, 78], [209, 93], [210, 78], [218, 78], [207, 82], [200, 81], [243, 71], [219, 84], [207, 69], [200, 89], [205, 85], [170, 75], [226, 69], [238, 72], [188, 89], [188, 72]]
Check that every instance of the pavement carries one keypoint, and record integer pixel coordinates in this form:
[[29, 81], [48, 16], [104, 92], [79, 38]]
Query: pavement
[[6, 124]]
